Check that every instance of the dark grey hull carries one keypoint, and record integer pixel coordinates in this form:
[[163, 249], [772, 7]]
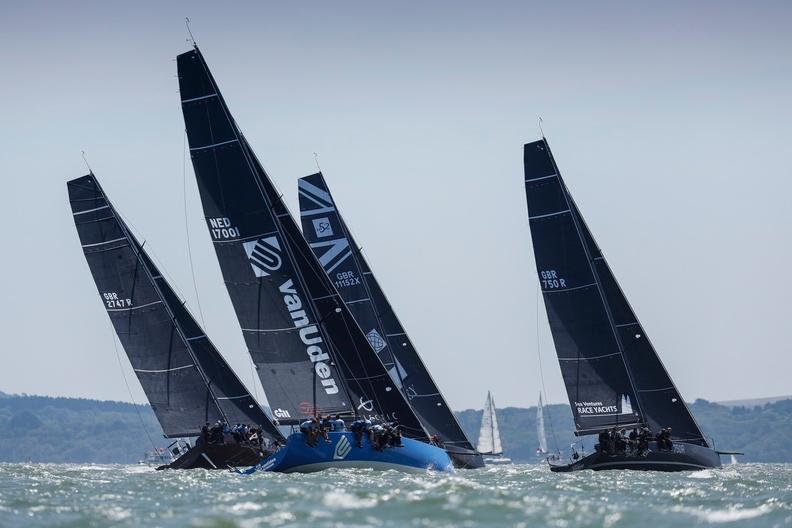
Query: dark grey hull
[[684, 457], [217, 456], [465, 459]]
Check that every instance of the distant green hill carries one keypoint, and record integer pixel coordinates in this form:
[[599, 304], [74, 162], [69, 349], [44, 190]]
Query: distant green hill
[[45, 429]]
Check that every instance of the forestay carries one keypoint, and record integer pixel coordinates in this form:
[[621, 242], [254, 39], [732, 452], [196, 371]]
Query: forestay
[[311, 355], [186, 380], [336, 249], [612, 373]]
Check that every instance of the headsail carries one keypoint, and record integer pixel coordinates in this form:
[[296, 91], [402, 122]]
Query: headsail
[[185, 378], [540, 428], [612, 373], [310, 353], [333, 245], [489, 442]]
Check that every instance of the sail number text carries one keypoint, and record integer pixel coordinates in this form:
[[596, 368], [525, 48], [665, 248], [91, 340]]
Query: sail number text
[[551, 281], [112, 300], [346, 278], [221, 228]]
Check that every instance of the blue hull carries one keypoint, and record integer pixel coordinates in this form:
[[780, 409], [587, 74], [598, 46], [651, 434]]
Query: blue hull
[[340, 452]]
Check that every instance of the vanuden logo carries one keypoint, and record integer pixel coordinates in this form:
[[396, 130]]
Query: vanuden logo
[[342, 448], [375, 340], [322, 227], [263, 255]]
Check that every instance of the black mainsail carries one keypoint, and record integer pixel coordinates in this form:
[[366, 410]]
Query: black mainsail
[[185, 378], [612, 373], [334, 246], [311, 355]]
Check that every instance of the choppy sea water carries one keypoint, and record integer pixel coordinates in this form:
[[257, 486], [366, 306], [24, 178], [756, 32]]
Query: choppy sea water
[[754, 495]]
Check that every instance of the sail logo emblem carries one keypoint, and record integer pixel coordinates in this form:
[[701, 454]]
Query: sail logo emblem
[[263, 255], [322, 227], [626, 406], [342, 448], [367, 405], [376, 341], [281, 413]]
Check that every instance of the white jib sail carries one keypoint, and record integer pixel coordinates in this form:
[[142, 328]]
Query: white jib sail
[[540, 426], [489, 435]]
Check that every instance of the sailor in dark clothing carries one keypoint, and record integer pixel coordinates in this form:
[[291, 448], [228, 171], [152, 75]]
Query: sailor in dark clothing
[[603, 440], [358, 427], [310, 429], [643, 440], [394, 434], [665, 439], [620, 443], [633, 440], [324, 427]]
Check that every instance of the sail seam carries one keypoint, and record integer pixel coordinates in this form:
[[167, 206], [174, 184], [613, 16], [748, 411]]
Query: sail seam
[[549, 214], [195, 338], [165, 370], [198, 98], [541, 178], [358, 300], [133, 307], [91, 210], [588, 358], [215, 144], [557, 290], [263, 330], [657, 390], [245, 239], [105, 242]]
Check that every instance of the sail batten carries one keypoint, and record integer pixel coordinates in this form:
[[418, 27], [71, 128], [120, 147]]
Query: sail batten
[[610, 369], [325, 364], [183, 377]]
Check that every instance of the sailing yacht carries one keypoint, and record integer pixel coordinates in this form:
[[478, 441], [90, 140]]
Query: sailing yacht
[[332, 243], [613, 376], [489, 443], [186, 380], [541, 450], [311, 355]]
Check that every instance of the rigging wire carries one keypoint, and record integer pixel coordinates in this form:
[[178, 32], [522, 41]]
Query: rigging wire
[[85, 160], [187, 24], [541, 372], [129, 391], [187, 227]]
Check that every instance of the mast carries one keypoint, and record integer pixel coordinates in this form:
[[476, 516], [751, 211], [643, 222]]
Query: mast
[[334, 246], [155, 328], [615, 377], [311, 355]]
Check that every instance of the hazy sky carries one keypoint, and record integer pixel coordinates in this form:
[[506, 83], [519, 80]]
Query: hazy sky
[[671, 123]]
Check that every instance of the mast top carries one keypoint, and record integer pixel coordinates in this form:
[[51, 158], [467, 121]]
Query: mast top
[[189, 32]]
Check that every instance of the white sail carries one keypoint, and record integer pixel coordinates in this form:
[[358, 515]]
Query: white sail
[[540, 428], [489, 442]]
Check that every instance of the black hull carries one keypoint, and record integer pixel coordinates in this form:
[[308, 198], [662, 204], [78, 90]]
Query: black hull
[[217, 456], [684, 457], [466, 460]]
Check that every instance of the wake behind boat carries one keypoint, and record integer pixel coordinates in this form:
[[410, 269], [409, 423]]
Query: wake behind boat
[[614, 378]]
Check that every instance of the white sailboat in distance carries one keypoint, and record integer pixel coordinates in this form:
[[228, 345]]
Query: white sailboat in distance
[[489, 443], [540, 429]]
